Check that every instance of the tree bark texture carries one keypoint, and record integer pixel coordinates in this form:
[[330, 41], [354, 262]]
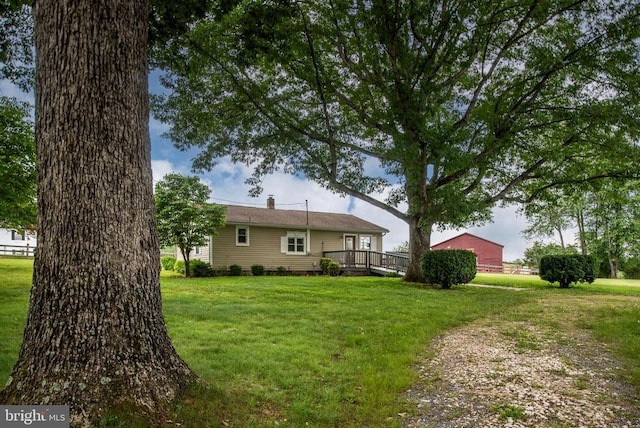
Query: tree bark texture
[[95, 334], [419, 242]]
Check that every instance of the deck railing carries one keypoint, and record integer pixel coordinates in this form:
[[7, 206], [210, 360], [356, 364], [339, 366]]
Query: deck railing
[[398, 262], [370, 259]]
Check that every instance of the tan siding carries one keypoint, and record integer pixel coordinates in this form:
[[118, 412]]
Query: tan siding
[[204, 254], [334, 241], [322, 240], [264, 248]]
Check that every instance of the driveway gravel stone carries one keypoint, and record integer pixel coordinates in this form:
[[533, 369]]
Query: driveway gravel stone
[[520, 374]]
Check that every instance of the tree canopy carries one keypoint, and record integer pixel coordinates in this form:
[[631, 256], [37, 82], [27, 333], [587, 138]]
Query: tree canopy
[[17, 166], [185, 218], [432, 111]]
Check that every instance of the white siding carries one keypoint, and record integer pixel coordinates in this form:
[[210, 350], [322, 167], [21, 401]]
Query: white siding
[[24, 240]]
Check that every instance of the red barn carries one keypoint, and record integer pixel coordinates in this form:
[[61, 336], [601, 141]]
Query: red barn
[[489, 253]]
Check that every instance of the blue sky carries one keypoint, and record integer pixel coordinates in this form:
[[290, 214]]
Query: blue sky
[[227, 185]]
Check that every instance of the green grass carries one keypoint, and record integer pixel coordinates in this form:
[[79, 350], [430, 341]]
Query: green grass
[[600, 285], [318, 351], [509, 411], [15, 281]]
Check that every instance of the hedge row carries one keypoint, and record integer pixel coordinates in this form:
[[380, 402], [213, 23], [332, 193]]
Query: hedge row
[[200, 269]]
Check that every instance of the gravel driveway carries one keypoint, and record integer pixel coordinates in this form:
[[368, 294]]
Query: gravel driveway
[[520, 374]]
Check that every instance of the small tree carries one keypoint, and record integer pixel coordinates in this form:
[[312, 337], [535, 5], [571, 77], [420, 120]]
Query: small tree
[[185, 219]]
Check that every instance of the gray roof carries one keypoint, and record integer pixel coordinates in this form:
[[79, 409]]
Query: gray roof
[[294, 218]]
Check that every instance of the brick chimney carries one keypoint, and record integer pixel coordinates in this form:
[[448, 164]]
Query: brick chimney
[[271, 203]]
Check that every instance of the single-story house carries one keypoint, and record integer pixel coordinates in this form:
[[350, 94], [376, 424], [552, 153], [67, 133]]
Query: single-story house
[[489, 253], [293, 239]]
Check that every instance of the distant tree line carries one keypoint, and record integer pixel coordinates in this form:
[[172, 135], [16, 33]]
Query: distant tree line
[[606, 217]]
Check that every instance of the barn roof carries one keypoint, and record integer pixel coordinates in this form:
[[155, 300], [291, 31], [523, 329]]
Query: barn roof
[[467, 234], [293, 218]]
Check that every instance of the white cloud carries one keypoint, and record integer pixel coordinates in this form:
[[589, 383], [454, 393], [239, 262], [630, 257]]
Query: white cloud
[[160, 168]]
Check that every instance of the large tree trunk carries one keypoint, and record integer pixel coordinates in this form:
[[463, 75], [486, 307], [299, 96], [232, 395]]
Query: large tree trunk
[[95, 334], [419, 242]]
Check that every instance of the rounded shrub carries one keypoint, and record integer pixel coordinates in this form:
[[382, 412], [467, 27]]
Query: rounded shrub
[[334, 268], [324, 265], [448, 267], [257, 270], [282, 271], [220, 271], [200, 269], [167, 262], [235, 270], [567, 269], [179, 267]]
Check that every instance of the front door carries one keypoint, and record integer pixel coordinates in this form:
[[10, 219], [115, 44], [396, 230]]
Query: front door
[[349, 242], [349, 246]]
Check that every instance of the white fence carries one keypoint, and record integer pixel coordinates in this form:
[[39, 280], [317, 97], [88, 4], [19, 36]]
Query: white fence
[[17, 250]]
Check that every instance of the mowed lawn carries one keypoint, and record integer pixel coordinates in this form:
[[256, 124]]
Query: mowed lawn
[[319, 351]]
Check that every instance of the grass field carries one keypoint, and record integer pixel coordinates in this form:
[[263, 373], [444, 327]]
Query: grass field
[[324, 352], [600, 285]]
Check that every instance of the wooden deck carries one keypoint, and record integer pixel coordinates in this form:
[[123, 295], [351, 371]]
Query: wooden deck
[[371, 261]]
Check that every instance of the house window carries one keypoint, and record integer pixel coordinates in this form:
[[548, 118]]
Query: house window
[[294, 243], [365, 243], [197, 250], [242, 236], [15, 236]]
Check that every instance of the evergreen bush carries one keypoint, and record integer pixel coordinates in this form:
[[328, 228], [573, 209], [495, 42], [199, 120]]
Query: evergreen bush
[[282, 271], [334, 268], [567, 269], [448, 267], [167, 262], [220, 271], [257, 270], [200, 269], [235, 270], [324, 265]]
